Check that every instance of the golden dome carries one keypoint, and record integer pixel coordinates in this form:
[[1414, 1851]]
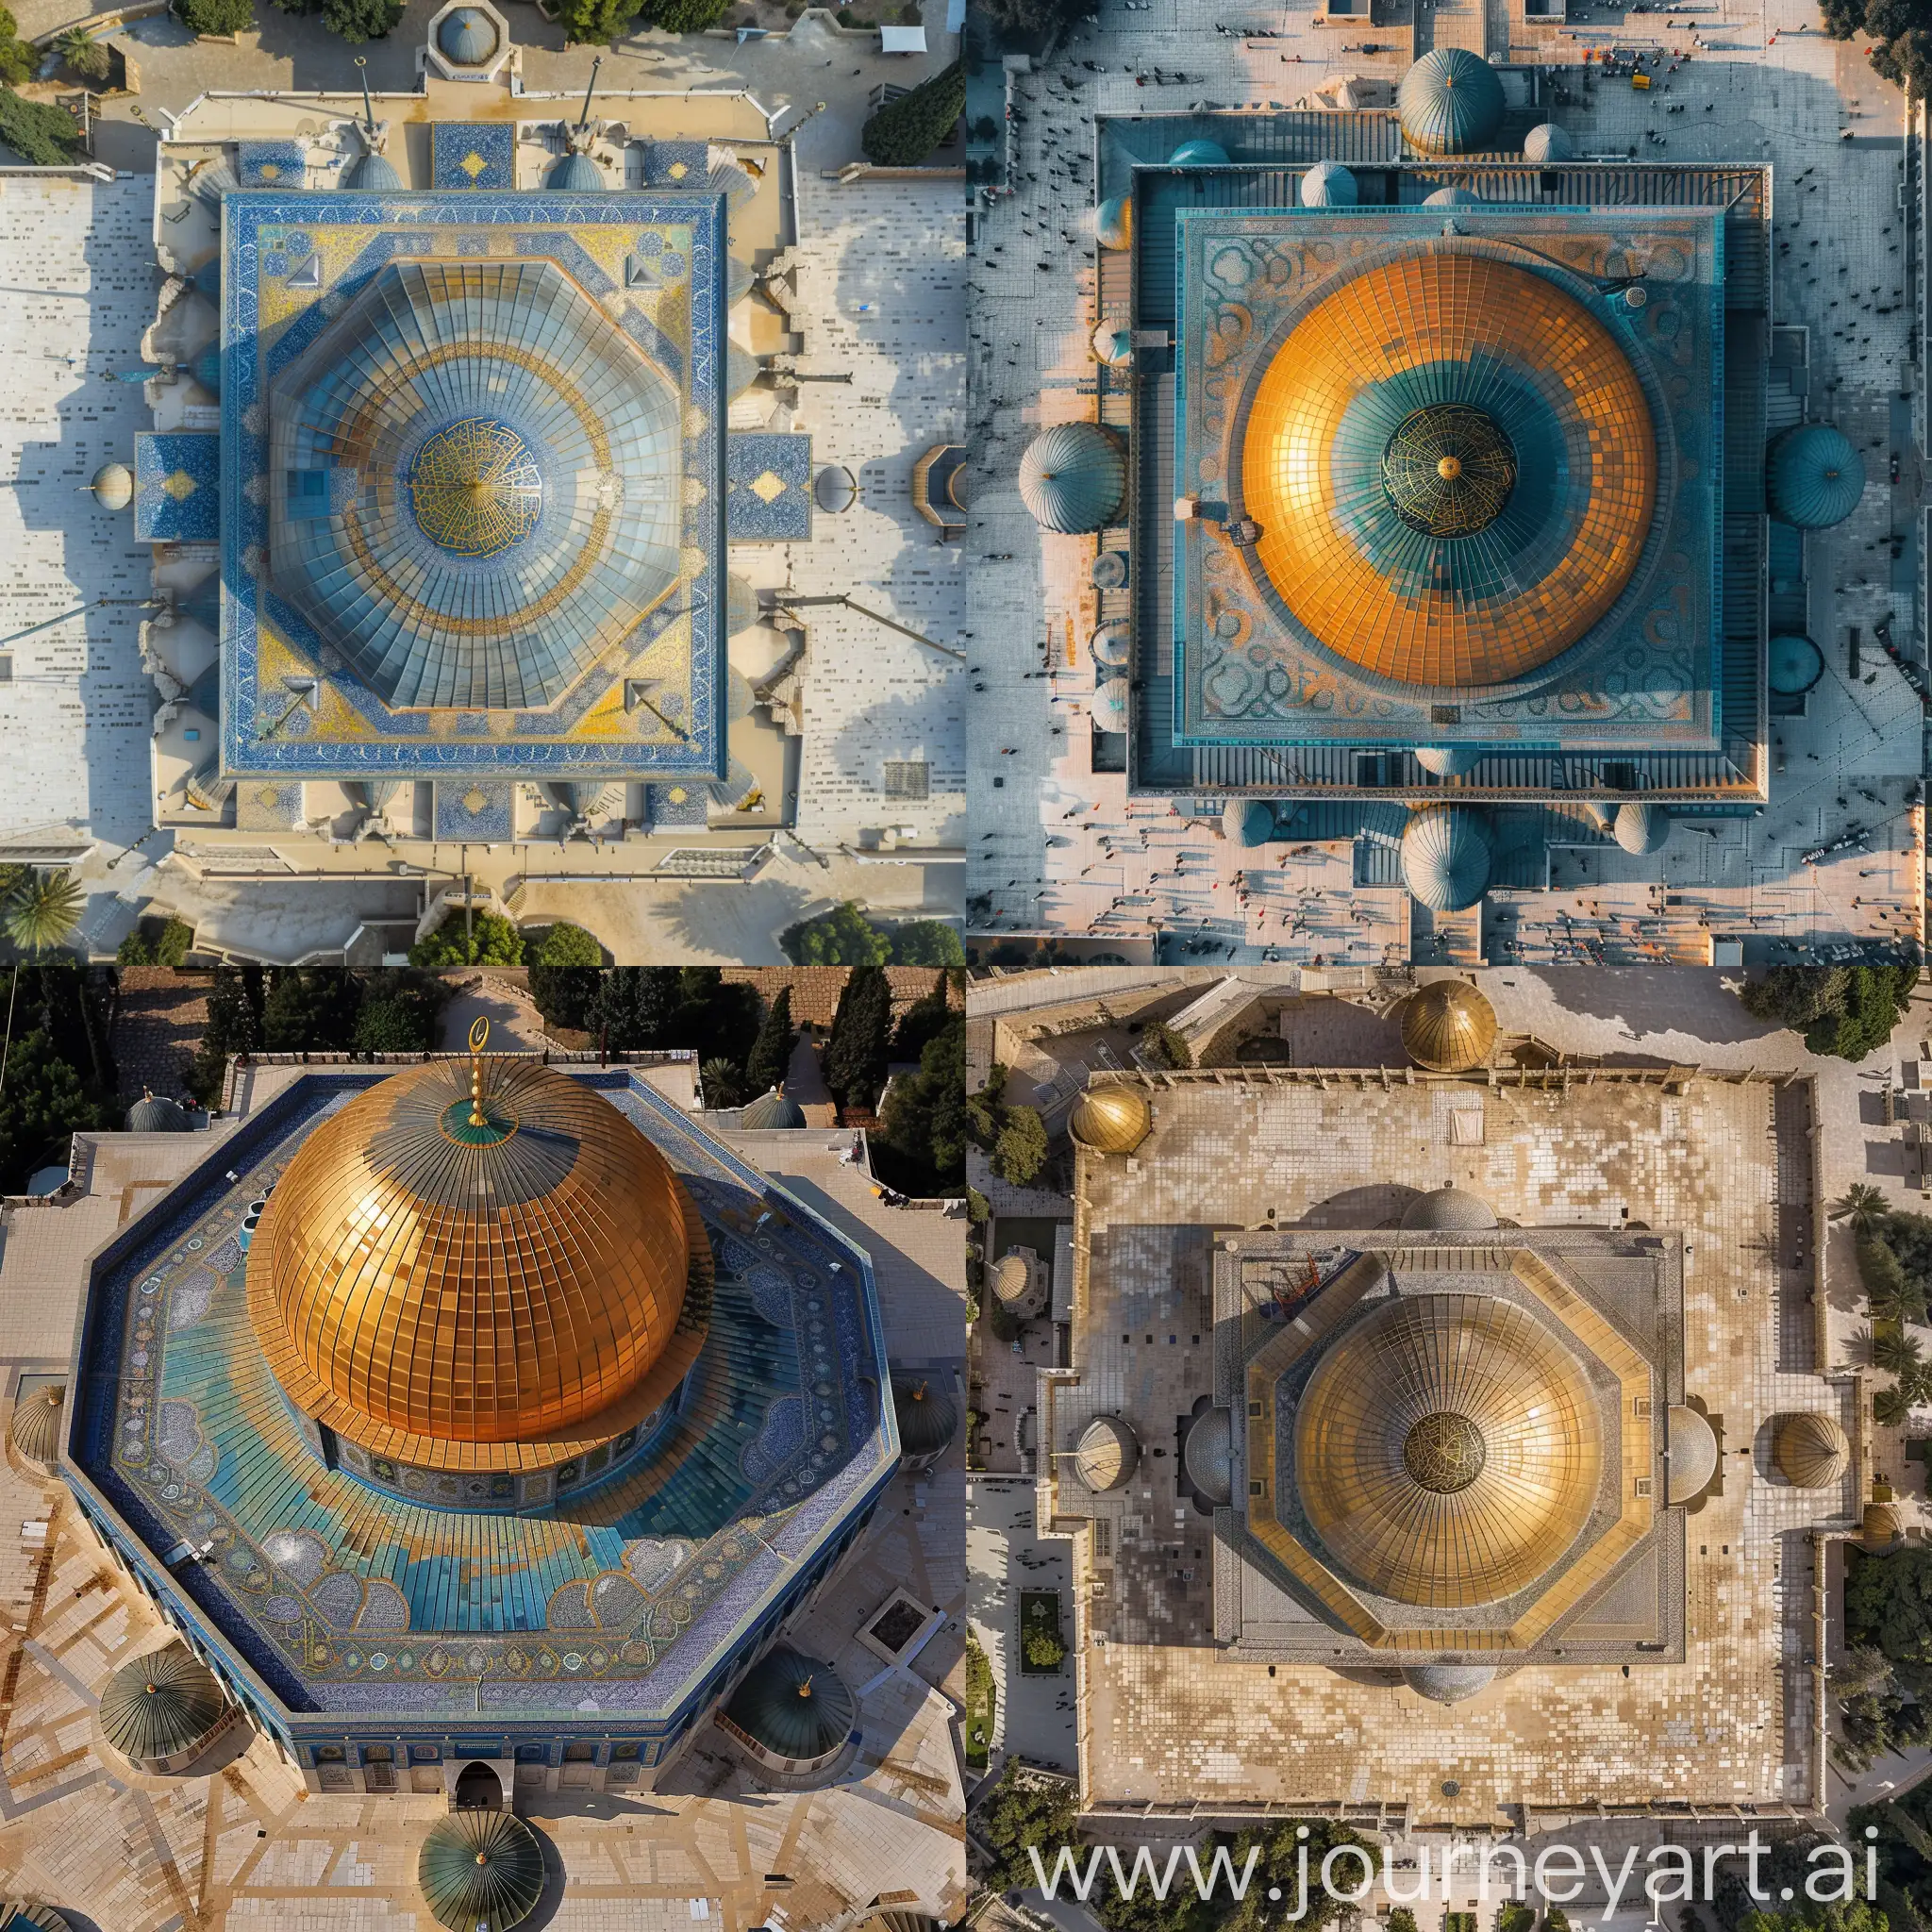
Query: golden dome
[[1448, 1026], [1810, 1450], [1880, 1526], [1112, 1119], [1448, 1450], [422, 1279], [35, 1429], [1454, 469], [1107, 1454]]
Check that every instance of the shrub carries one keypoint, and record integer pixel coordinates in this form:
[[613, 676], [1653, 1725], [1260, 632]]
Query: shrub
[[684, 16], [176, 941], [905, 131], [218, 16], [357, 21], [42, 136], [17, 60], [1166, 1048], [490, 941], [83, 54], [1044, 1649], [134, 950], [843, 937]]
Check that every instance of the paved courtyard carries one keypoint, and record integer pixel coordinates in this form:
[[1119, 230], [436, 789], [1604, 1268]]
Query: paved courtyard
[[1071, 854]]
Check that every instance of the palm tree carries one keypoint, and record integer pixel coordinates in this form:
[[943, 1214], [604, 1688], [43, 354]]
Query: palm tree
[[84, 55], [1888, 1406], [719, 1079], [1899, 1354], [43, 910], [1861, 1205]]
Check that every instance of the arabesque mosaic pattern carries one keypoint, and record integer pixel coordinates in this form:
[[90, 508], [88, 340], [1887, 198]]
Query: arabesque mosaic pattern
[[1579, 607], [354, 644], [346, 1599]]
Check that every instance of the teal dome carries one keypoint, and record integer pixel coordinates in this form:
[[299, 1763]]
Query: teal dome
[[1073, 477], [480, 1871], [794, 1706], [1445, 858], [207, 369], [772, 1112], [1547, 141], [928, 1419], [1447, 761], [1198, 154], [1108, 708], [576, 173], [1452, 197], [1642, 828], [1248, 821], [372, 175], [163, 1708], [1450, 102], [1814, 478], [153, 1114], [1113, 222], [1329, 184], [467, 37], [1795, 665]]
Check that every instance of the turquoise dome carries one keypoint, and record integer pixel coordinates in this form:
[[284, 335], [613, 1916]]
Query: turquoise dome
[[1073, 478], [794, 1706], [372, 175], [1445, 858], [1108, 708], [1329, 184], [1642, 828], [1795, 665], [1547, 141], [1814, 478], [576, 173], [1198, 154], [467, 37], [1113, 223], [1450, 102], [1248, 821]]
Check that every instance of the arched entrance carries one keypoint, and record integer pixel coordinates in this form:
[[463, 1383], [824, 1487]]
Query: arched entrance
[[478, 1789]]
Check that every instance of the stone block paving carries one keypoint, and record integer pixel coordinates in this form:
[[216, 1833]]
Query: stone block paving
[[1071, 854]]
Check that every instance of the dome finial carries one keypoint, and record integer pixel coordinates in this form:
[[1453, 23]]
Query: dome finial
[[479, 1038]]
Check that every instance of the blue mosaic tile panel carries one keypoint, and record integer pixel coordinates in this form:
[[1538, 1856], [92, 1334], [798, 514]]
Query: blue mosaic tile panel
[[674, 163], [177, 489], [474, 808], [473, 154], [768, 488], [272, 164], [670, 806], [268, 807]]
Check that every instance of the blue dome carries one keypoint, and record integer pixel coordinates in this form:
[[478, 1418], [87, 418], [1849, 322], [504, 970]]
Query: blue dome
[[467, 37], [1795, 665], [1329, 184], [1198, 154], [1073, 478], [1452, 197], [207, 369], [1445, 858], [578, 173], [1547, 141], [1815, 478], [1450, 102], [1642, 828], [1248, 821], [372, 173], [772, 1112], [153, 1114], [505, 406], [1113, 222], [1108, 708]]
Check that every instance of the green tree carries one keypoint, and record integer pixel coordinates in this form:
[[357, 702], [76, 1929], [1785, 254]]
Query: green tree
[[724, 1084], [482, 939], [43, 910], [927, 942], [83, 54], [1166, 1047], [771, 1053], [400, 1013], [134, 950], [636, 1009], [1045, 1650], [1514, 1917], [920, 1141], [1402, 1920], [174, 944], [1795, 996], [1897, 1352], [16, 57], [925, 1019], [1889, 1605], [1891, 1407], [596, 23], [310, 1009], [1861, 1206], [856, 1053], [905, 131], [684, 16], [41, 135], [357, 21], [45, 1102], [1020, 1151], [1890, 1292], [565, 972], [1023, 1809], [218, 16], [842, 937]]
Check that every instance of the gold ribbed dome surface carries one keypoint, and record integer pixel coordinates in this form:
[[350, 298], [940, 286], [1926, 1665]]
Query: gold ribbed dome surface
[[1112, 1119], [36, 1426], [1448, 1450], [504, 1281], [1810, 1450], [1448, 1026], [1454, 469]]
